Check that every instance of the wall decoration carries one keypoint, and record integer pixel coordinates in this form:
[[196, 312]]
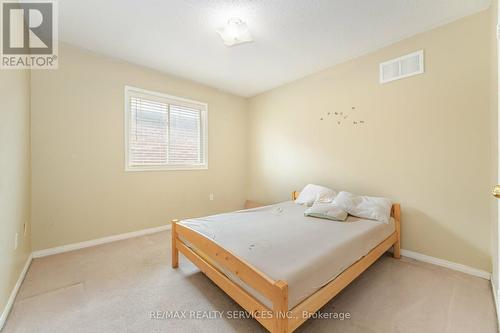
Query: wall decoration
[[340, 117]]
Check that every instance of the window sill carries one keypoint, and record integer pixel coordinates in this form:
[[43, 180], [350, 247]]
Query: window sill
[[166, 168]]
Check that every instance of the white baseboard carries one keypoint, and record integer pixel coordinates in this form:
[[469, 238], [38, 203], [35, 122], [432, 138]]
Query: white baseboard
[[98, 241], [407, 253], [448, 264], [13, 294], [494, 290]]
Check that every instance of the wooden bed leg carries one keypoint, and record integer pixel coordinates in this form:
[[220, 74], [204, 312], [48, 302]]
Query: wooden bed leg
[[280, 308], [175, 251], [397, 219], [397, 250]]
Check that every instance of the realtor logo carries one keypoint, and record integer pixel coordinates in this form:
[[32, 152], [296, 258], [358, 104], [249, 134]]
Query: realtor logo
[[29, 35]]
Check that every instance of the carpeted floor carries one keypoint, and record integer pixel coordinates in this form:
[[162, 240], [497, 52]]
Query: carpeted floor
[[115, 287]]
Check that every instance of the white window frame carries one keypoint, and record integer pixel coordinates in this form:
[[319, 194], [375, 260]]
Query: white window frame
[[203, 107]]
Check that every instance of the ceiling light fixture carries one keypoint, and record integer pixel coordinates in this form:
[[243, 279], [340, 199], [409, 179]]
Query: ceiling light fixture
[[235, 32]]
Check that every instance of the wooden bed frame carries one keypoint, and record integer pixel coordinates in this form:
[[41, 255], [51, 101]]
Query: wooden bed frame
[[279, 319]]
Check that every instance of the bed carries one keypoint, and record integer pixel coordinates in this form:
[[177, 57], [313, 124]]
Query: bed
[[279, 265]]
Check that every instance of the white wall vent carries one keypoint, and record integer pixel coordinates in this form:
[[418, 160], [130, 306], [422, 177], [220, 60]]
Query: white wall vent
[[405, 66]]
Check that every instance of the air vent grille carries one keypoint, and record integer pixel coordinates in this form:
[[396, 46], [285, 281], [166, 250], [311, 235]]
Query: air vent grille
[[402, 67]]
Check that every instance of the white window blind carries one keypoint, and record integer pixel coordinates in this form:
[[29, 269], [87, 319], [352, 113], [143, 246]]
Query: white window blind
[[164, 132]]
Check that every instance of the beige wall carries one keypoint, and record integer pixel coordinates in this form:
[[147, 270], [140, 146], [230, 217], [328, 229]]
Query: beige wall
[[14, 177], [494, 137], [426, 141], [80, 188]]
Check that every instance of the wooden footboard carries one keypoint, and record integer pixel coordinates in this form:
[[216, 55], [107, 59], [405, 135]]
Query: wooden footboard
[[208, 256], [207, 252]]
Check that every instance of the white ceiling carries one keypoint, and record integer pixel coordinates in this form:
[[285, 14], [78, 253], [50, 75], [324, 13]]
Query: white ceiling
[[293, 38]]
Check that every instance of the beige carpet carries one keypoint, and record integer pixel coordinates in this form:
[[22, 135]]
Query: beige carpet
[[114, 287]]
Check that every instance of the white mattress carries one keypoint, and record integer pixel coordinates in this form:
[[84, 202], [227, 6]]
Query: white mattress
[[281, 242]]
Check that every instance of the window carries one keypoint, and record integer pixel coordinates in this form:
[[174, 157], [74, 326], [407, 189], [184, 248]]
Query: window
[[164, 132]]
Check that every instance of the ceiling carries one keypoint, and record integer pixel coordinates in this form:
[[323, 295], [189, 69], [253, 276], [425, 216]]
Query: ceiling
[[292, 38]]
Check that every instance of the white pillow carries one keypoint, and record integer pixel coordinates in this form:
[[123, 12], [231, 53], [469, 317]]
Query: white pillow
[[311, 193], [326, 211], [372, 208]]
